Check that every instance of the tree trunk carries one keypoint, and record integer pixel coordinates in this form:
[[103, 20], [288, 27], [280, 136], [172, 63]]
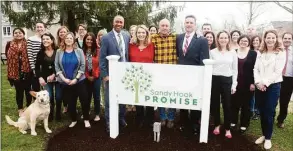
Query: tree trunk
[[71, 21], [136, 84]]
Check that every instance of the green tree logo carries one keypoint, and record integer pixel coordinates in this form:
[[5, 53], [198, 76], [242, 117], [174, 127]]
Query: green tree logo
[[136, 80]]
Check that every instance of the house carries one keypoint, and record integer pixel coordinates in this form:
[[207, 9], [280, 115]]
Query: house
[[283, 26], [7, 27]]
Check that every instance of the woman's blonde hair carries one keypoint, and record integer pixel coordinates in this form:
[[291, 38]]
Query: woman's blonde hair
[[278, 45], [217, 40], [101, 32], [58, 38], [74, 45], [147, 38]]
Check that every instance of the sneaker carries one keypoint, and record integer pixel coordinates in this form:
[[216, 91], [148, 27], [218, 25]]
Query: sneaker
[[217, 130], [280, 125], [97, 118], [228, 134], [163, 123], [72, 124], [268, 144], [242, 130], [87, 124], [170, 124], [260, 140], [65, 110]]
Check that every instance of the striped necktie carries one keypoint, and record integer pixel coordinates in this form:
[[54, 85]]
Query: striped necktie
[[186, 44], [284, 70], [121, 48]]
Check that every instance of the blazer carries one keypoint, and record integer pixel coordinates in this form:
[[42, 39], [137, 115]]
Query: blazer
[[197, 50], [59, 67], [109, 46], [248, 68], [268, 71]]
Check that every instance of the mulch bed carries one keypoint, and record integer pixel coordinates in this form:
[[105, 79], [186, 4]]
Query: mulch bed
[[133, 138]]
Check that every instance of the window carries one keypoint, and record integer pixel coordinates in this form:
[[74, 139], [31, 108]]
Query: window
[[19, 5], [6, 30]]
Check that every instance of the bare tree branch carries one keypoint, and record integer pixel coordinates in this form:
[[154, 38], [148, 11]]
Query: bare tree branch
[[290, 10]]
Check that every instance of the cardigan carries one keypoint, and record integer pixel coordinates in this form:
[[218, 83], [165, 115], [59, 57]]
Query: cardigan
[[268, 67], [248, 69], [60, 69]]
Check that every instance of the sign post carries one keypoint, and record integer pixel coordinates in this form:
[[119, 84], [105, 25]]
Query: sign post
[[113, 97], [159, 85]]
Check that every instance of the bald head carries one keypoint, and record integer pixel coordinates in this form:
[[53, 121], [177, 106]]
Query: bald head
[[118, 23], [164, 26], [251, 31]]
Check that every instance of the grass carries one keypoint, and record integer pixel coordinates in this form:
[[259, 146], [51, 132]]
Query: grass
[[13, 140], [282, 139]]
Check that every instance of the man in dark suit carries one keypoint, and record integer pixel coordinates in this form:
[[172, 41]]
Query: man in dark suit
[[114, 43], [191, 50]]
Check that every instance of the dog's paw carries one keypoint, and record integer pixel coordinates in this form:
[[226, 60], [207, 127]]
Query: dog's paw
[[48, 131], [34, 133], [23, 132]]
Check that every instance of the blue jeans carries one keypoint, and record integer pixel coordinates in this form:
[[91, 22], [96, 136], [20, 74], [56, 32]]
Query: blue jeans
[[121, 107], [93, 89], [58, 91], [254, 105], [170, 115], [268, 101], [58, 96]]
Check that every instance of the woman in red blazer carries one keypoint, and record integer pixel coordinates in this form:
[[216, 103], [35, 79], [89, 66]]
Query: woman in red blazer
[[92, 71]]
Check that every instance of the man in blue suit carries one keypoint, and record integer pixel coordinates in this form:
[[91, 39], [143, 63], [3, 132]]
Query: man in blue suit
[[114, 43], [191, 50]]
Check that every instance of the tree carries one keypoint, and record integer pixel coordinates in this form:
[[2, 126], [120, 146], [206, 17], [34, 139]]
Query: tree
[[136, 80], [287, 6], [254, 11], [96, 14]]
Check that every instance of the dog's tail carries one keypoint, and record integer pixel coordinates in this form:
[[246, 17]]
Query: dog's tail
[[9, 121]]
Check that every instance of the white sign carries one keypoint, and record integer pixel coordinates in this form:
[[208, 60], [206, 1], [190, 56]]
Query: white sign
[[161, 85]]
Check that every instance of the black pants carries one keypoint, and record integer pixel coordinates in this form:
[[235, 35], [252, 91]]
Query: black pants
[[221, 88], [285, 96], [71, 93], [22, 86], [140, 114], [240, 101], [187, 122], [35, 83]]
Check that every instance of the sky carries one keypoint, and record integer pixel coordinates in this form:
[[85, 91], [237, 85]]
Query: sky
[[217, 12]]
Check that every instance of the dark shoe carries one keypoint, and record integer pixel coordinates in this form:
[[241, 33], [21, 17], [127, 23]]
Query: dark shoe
[[255, 117], [123, 124], [107, 129], [170, 124], [280, 125]]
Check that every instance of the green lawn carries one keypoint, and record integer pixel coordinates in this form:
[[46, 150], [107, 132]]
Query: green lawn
[[13, 140]]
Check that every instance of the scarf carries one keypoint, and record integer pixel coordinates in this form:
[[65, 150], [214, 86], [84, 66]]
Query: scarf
[[17, 61]]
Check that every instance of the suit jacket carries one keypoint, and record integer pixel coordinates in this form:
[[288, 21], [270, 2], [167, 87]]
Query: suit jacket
[[109, 46], [197, 50], [248, 69]]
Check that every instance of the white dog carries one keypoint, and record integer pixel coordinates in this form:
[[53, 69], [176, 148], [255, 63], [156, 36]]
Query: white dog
[[38, 110]]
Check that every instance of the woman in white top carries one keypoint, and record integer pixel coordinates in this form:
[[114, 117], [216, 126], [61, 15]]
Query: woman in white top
[[224, 81], [267, 77]]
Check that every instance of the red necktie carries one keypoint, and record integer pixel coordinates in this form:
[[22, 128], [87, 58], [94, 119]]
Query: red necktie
[[186, 44], [284, 70]]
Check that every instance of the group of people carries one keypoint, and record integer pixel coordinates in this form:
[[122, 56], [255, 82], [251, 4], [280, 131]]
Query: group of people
[[247, 68]]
